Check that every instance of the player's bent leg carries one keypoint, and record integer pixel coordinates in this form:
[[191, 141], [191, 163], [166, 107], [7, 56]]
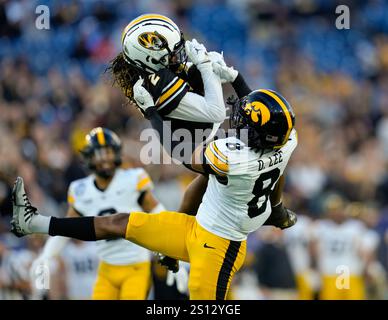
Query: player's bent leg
[[213, 263], [104, 288], [163, 232], [137, 283]]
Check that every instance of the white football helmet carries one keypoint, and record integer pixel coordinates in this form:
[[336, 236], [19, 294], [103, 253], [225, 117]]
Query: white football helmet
[[152, 42]]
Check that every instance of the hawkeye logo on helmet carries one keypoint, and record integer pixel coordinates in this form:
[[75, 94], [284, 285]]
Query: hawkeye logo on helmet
[[152, 41], [258, 110]]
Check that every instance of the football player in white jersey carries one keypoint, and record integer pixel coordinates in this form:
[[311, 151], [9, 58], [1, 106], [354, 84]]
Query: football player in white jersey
[[341, 245], [298, 240], [124, 270], [243, 177], [79, 267]]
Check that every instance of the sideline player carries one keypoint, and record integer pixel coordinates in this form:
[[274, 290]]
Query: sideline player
[[124, 271]]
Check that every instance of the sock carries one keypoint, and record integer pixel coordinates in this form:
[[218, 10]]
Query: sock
[[78, 228], [40, 224]]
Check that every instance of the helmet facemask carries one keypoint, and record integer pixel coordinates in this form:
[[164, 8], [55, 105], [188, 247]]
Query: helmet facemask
[[103, 161], [177, 58], [239, 122]]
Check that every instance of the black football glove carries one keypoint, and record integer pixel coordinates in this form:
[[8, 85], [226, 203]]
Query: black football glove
[[170, 263], [281, 217]]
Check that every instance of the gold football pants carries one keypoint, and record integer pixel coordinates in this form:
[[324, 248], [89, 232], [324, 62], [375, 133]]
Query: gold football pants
[[330, 291], [213, 260], [127, 282]]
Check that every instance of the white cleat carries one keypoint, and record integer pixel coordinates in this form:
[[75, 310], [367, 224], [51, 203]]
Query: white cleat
[[23, 211]]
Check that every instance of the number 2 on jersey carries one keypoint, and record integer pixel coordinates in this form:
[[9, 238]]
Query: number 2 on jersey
[[154, 79], [260, 191]]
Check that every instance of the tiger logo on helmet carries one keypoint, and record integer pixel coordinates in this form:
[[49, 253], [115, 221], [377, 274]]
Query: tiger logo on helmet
[[152, 41]]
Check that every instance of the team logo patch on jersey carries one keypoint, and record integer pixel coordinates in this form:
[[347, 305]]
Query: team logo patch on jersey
[[80, 189], [152, 41], [258, 112]]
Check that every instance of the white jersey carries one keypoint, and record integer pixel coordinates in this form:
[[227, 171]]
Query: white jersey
[[121, 195], [14, 267], [297, 240], [236, 201], [81, 263], [340, 245]]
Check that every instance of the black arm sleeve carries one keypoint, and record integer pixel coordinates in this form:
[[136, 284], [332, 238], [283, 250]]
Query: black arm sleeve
[[240, 86]]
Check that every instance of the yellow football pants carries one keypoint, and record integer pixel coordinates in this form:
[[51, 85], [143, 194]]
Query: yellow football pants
[[213, 260], [329, 290], [128, 282], [305, 291]]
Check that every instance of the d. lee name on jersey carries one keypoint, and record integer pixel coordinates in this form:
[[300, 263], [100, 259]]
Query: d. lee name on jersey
[[276, 158]]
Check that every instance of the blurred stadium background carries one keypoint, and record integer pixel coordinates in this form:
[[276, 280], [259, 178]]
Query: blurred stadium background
[[53, 90]]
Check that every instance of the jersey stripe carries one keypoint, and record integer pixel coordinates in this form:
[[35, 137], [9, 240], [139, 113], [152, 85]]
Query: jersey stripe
[[283, 106], [164, 104], [70, 199], [169, 85], [218, 165], [219, 153], [143, 183], [171, 91]]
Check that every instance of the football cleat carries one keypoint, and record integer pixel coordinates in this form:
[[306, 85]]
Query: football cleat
[[22, 210]]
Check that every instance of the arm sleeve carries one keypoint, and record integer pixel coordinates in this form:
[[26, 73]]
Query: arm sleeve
[[240, 86], [210, 107]]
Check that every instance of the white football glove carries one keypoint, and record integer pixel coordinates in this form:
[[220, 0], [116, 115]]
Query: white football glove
[[225, 73], [216, 57], [181, 278], [196, 52], [142, 97]]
